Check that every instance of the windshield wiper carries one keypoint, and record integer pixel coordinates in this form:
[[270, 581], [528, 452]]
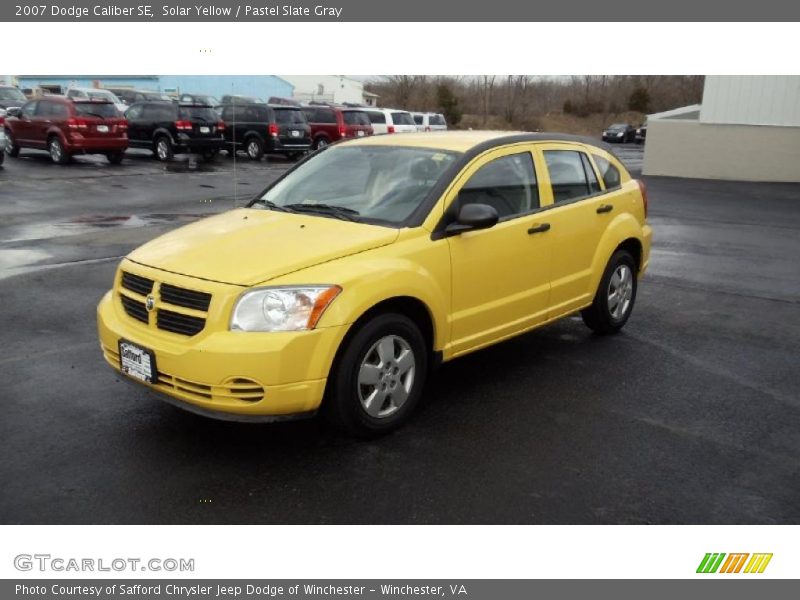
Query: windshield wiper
[[340, 212], [272, 206]]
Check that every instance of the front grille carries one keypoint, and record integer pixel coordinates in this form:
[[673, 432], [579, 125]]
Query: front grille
[[134, 308], [135, 283], [179, 323], [183, 297], [184, 322]]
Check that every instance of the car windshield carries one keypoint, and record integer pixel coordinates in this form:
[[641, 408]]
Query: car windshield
[[293, 116], [380, 183], [12, 95], [618, 126], [104, 110]]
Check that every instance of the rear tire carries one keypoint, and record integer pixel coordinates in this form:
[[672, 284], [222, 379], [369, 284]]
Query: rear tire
[[321, 143], [254, 148], [615, 297], [378, 377], [57, 153], [162, 148], [115, 157], [11, 148]]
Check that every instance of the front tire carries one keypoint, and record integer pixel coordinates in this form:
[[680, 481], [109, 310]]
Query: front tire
[[321, 143], [378, 378], [57, 153], [615, 297]]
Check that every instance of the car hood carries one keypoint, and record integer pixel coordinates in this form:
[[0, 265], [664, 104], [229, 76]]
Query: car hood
[[250, 246]]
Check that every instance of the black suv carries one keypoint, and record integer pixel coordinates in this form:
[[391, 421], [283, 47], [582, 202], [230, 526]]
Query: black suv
[[169, 128], [260, 129]]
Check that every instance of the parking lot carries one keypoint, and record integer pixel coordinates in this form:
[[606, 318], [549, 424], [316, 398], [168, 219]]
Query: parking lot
[[690, 415]]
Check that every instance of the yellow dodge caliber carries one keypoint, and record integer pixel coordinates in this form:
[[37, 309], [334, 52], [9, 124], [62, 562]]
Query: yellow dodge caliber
[[339, 287]]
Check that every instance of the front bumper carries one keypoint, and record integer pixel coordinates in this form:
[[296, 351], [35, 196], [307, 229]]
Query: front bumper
[[230, 375]]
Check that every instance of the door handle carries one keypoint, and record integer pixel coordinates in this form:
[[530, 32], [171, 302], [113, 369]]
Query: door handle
[[606, 208], [539, 228]]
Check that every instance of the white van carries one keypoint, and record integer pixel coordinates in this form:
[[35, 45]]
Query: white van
[[390, 120], [429, 121]]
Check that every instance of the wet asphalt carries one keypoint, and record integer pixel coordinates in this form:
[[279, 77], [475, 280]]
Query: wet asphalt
[[691, 415]]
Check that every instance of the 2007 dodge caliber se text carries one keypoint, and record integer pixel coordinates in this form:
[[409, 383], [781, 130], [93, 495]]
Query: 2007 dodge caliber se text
[[341, 285]]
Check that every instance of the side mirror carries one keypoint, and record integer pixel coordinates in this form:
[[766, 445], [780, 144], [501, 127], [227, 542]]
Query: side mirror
[[14, 112], [472, 217]]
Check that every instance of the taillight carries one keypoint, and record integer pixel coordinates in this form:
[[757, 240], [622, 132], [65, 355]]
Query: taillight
[[2, 121], [183, 125], [643, 190], [77, 124], [390, 129], [123, 125], [427, 128], [221, 126], [273, 129], [342, 132]]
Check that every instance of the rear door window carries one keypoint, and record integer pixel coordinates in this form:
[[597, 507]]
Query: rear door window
[[567, 175], [594, 185]]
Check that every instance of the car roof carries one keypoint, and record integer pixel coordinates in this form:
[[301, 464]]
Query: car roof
[[465, 141]]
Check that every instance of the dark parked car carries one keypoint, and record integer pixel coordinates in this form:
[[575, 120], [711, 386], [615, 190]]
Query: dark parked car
[[331, 124], [66, 127], [641, 134], [260, 129], [11, 97], [130, 96], [169, 128], [619, 132]]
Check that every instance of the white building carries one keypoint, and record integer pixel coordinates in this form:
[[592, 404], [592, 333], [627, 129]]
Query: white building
[[747, 128], [329, 88]]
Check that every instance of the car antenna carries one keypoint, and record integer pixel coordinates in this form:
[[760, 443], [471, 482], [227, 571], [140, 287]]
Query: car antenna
[[233, 149]]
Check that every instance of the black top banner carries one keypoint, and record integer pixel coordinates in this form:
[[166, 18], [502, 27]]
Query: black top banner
[[406, 11]]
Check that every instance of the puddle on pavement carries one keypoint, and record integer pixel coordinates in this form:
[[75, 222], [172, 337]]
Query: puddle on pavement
[[89, 223], [15, 258]]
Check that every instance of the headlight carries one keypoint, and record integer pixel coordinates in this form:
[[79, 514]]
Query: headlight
[[619, 134], [295, 308]]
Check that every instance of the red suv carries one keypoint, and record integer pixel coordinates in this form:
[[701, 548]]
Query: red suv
[[332, 123], [65, 127]]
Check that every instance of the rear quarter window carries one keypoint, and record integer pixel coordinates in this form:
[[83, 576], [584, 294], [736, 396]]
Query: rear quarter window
[[376, 117], [436, 120], [608, 172]]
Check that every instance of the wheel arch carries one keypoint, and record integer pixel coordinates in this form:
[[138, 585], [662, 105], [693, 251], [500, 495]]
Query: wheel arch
[[624, 232]]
